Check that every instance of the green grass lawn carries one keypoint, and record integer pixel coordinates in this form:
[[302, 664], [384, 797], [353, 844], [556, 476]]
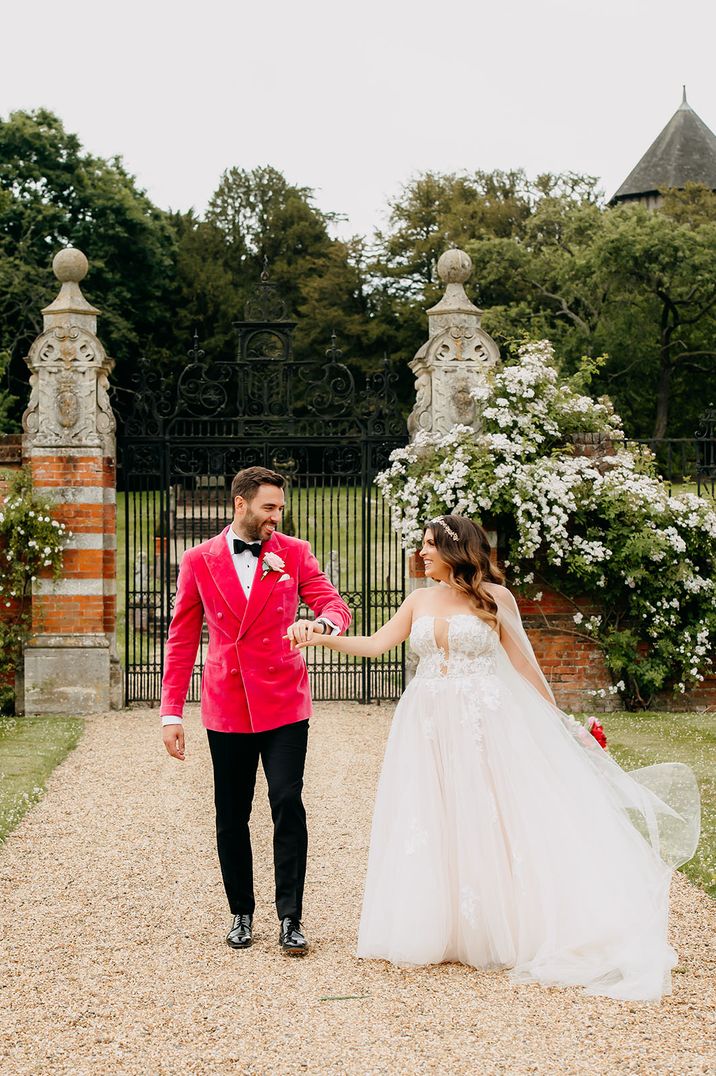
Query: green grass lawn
[[642, 739], [30, 748], [691, 487]]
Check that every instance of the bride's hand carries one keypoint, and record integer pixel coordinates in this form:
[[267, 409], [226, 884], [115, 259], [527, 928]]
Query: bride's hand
[[304, 633]]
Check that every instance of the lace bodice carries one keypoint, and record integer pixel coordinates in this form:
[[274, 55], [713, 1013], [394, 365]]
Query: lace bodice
[[471, 647]]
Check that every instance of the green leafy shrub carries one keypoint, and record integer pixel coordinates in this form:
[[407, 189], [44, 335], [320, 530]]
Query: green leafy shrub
[[31, 543]]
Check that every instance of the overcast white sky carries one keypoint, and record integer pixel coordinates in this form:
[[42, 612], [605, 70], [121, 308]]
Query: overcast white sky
[[353, 99]]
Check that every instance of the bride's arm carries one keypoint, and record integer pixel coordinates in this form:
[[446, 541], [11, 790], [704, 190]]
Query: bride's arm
[[523, 666], [516, 643], [391, 634]]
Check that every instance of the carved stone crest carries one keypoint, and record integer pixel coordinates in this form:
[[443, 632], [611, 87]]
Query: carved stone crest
[[69, 404]]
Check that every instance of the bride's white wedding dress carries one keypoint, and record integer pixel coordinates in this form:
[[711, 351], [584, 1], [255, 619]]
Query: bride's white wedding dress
[[505, 836]]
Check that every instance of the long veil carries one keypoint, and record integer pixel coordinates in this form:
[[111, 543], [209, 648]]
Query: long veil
[[661, 801]]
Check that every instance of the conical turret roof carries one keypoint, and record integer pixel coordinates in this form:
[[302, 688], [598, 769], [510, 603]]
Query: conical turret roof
[[684, 152]]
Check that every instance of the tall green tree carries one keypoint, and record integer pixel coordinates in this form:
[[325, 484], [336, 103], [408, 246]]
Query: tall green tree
[[436, 211], [8, 402], [53, 193], [637, 285], [489, 215], [256, 219], [660, 274], [551, 260]]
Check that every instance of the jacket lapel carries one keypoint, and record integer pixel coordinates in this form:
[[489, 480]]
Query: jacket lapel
[[221, 565], [262, 585]]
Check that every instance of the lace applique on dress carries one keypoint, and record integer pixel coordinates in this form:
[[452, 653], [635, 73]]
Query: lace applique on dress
[[471, 651], [471, 719], [468, 661]]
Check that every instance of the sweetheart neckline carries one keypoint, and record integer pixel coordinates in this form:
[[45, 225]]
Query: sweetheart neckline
[[453, 616]]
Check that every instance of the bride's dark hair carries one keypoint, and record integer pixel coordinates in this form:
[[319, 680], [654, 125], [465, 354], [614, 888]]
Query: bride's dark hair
[[465, 548]]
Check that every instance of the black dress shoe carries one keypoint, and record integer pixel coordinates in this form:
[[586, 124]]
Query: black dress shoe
[[292, 939], [240, 935]]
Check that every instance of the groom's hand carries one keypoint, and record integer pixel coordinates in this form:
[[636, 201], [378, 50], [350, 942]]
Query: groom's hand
[[173, 736], [300, 633]]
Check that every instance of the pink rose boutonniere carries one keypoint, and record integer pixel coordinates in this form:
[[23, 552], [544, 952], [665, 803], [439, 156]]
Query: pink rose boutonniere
[[271, 563]]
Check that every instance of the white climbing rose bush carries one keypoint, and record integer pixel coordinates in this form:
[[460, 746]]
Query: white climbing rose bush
[[605, 529], [31, 543]]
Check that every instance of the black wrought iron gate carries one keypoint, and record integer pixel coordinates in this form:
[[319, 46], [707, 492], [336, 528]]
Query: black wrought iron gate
[[180, 448]]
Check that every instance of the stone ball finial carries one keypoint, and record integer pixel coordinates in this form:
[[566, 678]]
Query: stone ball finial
[[454, 266], [70, 265]]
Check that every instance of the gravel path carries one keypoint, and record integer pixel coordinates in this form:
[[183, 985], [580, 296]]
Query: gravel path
[[112, 955]]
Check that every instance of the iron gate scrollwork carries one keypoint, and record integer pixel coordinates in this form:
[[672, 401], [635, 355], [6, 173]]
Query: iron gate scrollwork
[[180, 447]]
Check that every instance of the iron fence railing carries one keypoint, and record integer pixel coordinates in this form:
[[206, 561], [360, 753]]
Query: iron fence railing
[[326, 427], [176, 495]]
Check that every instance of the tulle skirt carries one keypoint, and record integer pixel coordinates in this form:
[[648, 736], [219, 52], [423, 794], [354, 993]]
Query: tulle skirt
[[502, 838]]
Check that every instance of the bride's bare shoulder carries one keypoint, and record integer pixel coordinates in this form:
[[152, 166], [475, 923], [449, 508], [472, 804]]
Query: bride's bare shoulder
[[500, 593], [415, 599], [497, 589], [410, 601]]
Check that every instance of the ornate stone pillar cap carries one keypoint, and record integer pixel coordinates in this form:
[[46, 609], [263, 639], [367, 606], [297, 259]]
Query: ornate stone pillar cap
[[454, 268], [70, 266]]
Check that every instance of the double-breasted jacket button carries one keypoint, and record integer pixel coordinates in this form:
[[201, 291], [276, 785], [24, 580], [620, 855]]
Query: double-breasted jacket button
[[234, 672], [219, 616], [265, 641], [272, 668]]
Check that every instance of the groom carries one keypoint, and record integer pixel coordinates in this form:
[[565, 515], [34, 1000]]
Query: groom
[[255, 700]]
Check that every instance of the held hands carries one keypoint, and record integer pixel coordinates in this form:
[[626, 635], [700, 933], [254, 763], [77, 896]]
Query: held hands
[[304, 633], [173, 736]]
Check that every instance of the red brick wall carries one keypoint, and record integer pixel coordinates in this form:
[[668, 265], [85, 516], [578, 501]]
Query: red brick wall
[[701, 698], [10, 455], [573, 665]]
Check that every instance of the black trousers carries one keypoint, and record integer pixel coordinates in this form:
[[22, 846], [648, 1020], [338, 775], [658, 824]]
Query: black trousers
[[235, 757]]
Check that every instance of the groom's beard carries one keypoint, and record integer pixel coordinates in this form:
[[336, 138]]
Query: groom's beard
[[256, 530]]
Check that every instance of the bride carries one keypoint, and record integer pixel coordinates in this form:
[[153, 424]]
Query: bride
[[503, 834]]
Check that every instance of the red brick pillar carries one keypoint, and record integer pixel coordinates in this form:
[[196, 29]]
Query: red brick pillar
[[71, 663]]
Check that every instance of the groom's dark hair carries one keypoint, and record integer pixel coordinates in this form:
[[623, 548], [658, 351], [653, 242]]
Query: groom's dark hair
[[246, 482]]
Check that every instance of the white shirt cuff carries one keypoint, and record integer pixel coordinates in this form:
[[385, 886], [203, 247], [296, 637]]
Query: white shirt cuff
[[172, 719], [329, 623]]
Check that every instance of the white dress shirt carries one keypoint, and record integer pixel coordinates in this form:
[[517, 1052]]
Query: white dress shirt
[[245, 564]]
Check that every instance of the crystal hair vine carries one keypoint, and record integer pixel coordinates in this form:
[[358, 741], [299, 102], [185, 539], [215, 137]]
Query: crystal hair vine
[[446, 527]]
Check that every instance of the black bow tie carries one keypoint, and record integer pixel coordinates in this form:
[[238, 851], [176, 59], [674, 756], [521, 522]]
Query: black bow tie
[[254, 548]]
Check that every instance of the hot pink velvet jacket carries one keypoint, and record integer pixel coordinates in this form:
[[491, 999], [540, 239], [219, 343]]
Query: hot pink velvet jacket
[[252, 680]]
